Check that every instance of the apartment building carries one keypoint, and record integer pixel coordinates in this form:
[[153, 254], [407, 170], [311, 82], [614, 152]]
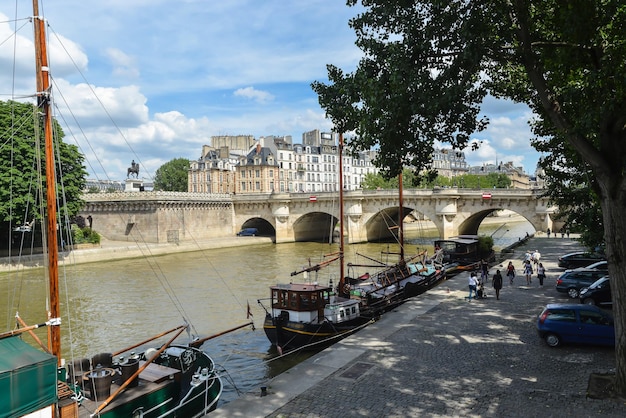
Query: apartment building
[[257, 172]]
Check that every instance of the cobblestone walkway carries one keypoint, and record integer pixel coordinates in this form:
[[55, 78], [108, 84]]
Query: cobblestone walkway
[[469, 359]]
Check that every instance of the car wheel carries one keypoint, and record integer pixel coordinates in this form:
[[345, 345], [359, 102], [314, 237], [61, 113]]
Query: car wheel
[[572, 293], [589, 301], [553, 340]]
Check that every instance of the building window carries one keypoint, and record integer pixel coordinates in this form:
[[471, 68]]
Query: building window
[[257, 173]]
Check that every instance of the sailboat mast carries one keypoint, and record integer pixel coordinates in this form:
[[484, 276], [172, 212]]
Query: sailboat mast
[[43, 101], [341, 216], [401, 218]]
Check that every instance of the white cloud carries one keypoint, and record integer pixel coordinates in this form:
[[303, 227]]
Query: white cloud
[[258, 96], [123, 64]]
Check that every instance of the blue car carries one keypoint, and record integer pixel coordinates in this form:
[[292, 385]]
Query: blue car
[[248, 232], [581, 324]]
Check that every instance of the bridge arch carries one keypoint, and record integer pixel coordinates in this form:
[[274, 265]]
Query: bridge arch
[[266, 229], [314, 227]]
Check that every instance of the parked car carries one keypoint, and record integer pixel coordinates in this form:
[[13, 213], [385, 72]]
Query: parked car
[[248, 232], [579, 259], [570, 323], [571, 281], [599, 265], [599, 293]]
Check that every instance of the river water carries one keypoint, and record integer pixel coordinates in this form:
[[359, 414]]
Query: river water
[[110, 305]]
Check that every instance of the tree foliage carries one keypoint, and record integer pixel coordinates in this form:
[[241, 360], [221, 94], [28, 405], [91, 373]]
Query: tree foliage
[[22, 161], [410, 180], [428, 65], [172, 176]]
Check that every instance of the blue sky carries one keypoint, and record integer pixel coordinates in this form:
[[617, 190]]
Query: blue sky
[[173, 73]]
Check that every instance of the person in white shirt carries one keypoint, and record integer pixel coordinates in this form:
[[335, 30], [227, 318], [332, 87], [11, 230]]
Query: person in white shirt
[[536, 257], [473, 281]]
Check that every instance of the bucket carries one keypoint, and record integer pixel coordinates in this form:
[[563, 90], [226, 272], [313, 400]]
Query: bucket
[[99, 383], [77, 370], [128, 369]]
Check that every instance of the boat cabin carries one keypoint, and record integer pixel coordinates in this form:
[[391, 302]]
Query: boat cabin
[[311, 303], [462, 249]]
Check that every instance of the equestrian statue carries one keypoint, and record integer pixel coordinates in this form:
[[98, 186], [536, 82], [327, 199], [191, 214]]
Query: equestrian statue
[[134, 168]]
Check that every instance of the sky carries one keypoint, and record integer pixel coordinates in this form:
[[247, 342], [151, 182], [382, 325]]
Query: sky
[[151, 81]]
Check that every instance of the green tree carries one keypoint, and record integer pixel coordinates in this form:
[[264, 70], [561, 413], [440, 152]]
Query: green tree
[[21, 157], [428, 65], [172, 176], [373, 181]]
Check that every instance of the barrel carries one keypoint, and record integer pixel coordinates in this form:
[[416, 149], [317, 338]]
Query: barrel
[[128, 369], [99, 383], [77, 370]]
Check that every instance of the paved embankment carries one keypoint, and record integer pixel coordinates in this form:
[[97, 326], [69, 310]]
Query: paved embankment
[[115, 250], [442, 356]]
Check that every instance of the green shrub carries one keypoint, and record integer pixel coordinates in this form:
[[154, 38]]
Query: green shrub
[[84, 235]]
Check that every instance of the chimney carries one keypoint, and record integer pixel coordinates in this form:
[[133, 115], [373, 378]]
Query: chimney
[[258, 148]]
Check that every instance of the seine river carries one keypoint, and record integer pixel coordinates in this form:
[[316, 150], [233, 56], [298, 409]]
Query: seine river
[[110, 305]]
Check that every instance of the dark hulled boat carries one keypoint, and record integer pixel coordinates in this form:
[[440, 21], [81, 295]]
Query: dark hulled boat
[[463, 252], [310, 315]]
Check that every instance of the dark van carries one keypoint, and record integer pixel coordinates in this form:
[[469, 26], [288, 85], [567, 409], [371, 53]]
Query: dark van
[[248, 232]]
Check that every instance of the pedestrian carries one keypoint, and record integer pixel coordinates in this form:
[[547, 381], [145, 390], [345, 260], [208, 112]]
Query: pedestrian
[[510, 272], [567, 233], [496, 282], [473, 281], [536, 257], [548, 232], [528, 271], [541, 274], [562, 233], [484, 268]]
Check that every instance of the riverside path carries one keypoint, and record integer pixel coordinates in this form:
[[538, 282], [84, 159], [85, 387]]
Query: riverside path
[[442, 356]]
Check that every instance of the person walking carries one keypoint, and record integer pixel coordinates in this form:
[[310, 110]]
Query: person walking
[[536, 257], [541, 274], [484, 270], [528, 271], [496, 282], [510, 272], [473, 281]]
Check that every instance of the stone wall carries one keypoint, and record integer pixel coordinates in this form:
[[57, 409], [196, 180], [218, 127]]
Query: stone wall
[[160, 217]]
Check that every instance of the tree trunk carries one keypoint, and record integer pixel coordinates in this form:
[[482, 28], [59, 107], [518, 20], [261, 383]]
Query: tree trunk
[[613, 201]]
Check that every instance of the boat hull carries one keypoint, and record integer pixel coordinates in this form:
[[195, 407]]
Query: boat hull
[[289, 335]]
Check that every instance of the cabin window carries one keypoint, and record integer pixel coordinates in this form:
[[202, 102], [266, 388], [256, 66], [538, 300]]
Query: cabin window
[[293, 300], [354, 309], [342, 314], [305, 302]]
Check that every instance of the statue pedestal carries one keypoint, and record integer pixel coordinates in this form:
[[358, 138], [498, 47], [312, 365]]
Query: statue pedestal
[[134, 185]]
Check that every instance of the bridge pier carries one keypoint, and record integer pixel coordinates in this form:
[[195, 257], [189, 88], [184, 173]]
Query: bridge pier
[[446, 211], [283, 224], [355, 229]]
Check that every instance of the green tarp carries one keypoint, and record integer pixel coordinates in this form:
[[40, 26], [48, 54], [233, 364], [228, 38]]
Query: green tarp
[[28, 378]]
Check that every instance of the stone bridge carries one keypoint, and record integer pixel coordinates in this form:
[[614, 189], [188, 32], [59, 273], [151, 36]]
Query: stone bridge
[[370, 214], [288, 217]]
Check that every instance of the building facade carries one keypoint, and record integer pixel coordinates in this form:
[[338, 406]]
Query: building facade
[[449, 162], [213, 172], [257, 172]]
